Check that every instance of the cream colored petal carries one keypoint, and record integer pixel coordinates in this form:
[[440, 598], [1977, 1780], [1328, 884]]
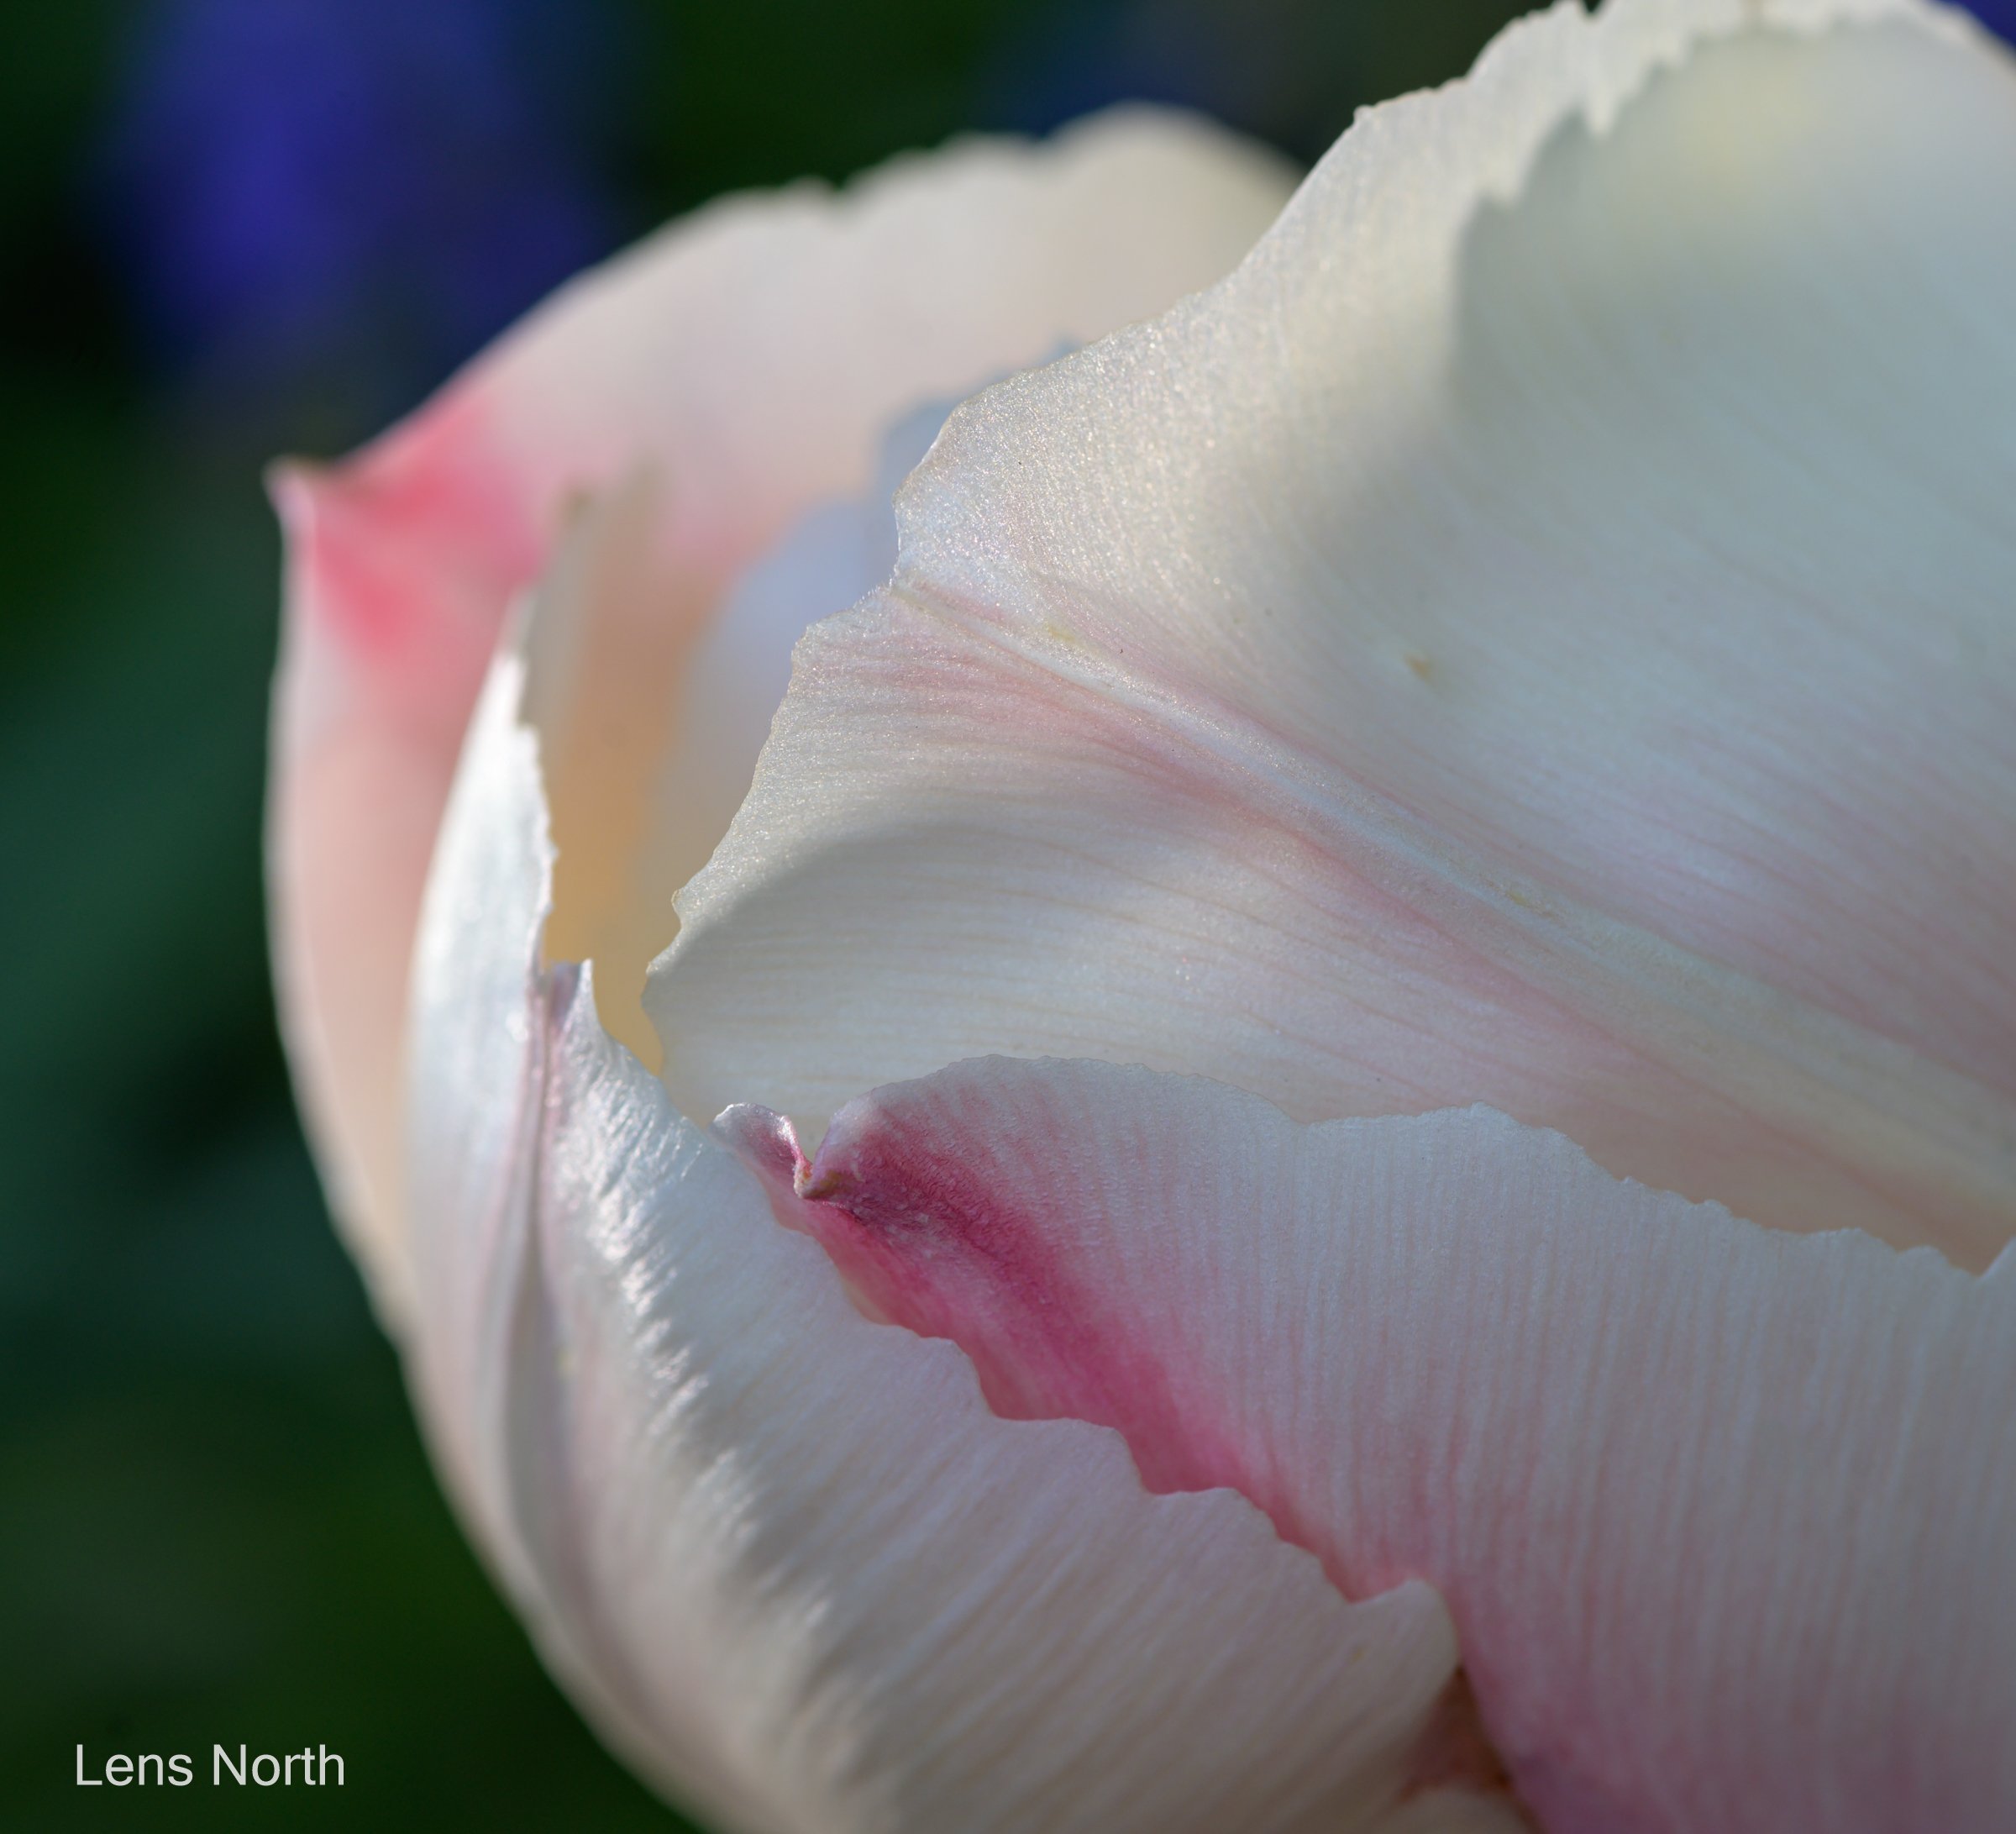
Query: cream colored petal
[[1540, 632]]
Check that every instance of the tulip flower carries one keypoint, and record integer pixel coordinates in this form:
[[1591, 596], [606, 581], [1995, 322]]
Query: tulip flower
[[1329, 1142]]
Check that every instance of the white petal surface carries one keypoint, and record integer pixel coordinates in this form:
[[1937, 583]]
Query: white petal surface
[[740, 368], [1726, 1518], [787, 1556], [724, 697], [1539, 632]]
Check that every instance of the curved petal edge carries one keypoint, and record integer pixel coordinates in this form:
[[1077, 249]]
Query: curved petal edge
[[1535, 633], [1723, 1515], [747, 359]]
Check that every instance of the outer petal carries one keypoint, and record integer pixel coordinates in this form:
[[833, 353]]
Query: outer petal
[[788, 1557], [1726, 1518], [744, 363], [1539, 632]]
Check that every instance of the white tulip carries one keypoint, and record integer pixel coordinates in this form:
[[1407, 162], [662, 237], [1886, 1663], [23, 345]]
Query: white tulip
[[1388, 950]]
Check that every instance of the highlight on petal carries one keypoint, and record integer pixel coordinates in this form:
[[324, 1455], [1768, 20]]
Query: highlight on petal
[[790, 1561], [1723, 1515], [735, 371], [1538, 633]]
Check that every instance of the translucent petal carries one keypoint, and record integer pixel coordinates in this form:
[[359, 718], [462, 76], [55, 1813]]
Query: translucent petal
[[1538, 633], [1723, 1515]]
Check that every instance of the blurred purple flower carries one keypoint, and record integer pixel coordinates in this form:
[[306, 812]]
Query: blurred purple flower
[[1997, 15], [367, 187]]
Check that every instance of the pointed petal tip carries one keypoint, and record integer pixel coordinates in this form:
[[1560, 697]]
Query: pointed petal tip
[[765, 1141], [291, 486]]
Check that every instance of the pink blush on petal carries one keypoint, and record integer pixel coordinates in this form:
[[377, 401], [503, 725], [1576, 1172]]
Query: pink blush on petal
[[411, 553], [1720, 1515], [923, 1240]]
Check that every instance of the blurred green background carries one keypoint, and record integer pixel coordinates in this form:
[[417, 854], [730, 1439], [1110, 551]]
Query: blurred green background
[[232, 228]]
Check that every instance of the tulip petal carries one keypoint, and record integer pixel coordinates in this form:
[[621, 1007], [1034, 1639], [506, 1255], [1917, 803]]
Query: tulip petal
[[745, 362], [729, 685], [1539, 633], [1724, 1517], [788, 1557]]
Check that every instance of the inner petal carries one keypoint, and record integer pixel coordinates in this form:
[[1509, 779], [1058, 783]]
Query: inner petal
[[678, 707]]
